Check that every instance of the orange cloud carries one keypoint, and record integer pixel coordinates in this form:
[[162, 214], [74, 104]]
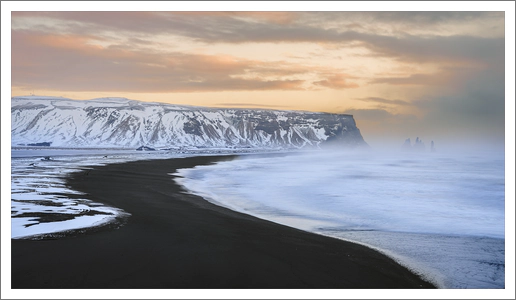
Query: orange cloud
[[384, 101], [414, 79], [451, 76], [208, 63], [76, 62], [337, 81], [276, 17], [66, 62], [64, 41]]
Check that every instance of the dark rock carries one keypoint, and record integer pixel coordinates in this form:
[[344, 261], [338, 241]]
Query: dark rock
[[192, 127], [145, 148], [268, 126], [44, 144], [418, 146]]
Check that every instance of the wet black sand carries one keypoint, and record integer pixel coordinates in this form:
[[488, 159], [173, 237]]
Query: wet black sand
[[177, 240]]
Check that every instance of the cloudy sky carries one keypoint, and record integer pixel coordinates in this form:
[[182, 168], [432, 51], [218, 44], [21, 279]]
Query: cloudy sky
[[436, 75]]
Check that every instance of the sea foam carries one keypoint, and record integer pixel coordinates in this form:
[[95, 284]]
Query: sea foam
[[441, 215]]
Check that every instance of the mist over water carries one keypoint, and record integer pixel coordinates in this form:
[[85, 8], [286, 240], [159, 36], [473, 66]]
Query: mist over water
[[452, 203]]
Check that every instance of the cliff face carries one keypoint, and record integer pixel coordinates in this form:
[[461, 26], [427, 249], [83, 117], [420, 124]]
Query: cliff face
[[118, 122]]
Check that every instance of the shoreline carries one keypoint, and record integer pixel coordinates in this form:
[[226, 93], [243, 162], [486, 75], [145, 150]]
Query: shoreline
[[178, 240]]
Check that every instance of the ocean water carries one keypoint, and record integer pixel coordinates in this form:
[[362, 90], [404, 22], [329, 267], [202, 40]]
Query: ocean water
[[441, 215]]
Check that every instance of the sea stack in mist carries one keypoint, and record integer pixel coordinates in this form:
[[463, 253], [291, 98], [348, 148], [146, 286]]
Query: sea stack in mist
[[119, 122], [418, 146]]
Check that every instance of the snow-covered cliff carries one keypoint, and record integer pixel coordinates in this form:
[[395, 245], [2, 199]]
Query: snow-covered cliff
[[120, 122]]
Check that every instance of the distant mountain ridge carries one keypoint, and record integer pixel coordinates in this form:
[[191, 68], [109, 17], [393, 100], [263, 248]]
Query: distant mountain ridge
[[120, 122]]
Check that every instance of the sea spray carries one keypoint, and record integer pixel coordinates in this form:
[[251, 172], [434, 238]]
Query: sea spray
[[452, 204]]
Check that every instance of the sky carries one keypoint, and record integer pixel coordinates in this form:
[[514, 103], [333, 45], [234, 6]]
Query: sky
[[433, 70], [436, 75]]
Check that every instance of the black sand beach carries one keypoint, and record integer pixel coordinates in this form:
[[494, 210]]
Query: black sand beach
[[177, 240]]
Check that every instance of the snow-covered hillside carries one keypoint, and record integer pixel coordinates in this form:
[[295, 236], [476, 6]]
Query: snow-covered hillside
[[120, 122]]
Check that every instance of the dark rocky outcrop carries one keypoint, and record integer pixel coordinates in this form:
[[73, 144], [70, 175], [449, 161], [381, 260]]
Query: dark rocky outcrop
[[145, 148], [418, 146]]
